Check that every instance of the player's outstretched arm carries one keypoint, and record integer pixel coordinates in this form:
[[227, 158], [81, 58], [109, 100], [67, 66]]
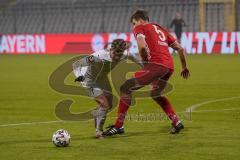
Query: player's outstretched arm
[[135, 58], [181, 52]]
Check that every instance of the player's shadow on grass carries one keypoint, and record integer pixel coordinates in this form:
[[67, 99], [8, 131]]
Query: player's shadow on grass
[[125, 135], [164, 130]]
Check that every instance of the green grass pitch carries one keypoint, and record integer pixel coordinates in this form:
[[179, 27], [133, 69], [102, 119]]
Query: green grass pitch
[[213, 132]]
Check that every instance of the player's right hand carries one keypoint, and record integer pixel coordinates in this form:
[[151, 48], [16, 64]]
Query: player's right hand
[[185, 73], [79, 79]]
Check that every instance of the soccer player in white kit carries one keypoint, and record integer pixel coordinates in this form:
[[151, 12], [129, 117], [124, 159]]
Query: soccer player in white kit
[[92, 71]]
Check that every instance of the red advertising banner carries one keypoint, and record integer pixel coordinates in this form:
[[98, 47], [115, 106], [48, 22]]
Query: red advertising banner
[[193, 42]]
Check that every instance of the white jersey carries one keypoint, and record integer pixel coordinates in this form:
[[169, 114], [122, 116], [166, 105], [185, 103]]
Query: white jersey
[[96, 66], [103, 55]]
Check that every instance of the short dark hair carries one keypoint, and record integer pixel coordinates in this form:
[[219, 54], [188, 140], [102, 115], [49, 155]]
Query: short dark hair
[[140, 14], [119, 45]]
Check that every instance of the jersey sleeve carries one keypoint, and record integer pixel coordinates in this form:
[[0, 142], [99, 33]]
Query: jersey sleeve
[[103, 55], [171, 39], [83, 63], [138, 31]]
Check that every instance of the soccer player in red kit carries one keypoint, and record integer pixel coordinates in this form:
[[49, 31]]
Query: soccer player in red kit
[[153, 42]]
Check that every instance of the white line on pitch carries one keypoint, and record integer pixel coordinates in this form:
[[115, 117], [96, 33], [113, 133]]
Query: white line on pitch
[[189, 109], [193, 107], [217, 110], [28, 123]]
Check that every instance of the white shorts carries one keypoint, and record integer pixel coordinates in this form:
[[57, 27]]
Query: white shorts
[[94, 91], [98, 88]]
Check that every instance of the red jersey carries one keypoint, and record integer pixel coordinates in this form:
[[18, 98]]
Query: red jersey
[[157, 40]]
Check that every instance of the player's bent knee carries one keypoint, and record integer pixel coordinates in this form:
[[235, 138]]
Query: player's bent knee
[[126, 87], [105, 104], [155, 95], [123, 89]]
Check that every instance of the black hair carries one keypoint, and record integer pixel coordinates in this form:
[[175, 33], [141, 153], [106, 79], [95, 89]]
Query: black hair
[[119, 45]]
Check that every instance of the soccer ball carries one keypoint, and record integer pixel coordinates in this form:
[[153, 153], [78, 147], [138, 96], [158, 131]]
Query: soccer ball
[[61, 138]]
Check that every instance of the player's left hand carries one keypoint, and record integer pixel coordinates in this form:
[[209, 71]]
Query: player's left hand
[[185, 73], [79, 79]]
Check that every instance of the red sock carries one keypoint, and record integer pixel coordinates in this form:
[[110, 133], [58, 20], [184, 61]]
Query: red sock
[[122, 110], [167, 107]]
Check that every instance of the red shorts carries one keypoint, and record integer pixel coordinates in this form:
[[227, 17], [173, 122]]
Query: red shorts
[[151, 73]]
